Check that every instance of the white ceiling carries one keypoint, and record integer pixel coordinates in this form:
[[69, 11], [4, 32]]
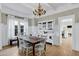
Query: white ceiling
[[26, 9]]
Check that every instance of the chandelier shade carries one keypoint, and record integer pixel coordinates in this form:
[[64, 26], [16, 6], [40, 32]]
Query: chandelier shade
[[39, 11]]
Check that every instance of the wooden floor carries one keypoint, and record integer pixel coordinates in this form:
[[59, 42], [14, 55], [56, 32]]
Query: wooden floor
[[65, 49]]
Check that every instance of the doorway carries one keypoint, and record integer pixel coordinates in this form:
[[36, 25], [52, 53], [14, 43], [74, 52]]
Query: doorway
[[66, 24]]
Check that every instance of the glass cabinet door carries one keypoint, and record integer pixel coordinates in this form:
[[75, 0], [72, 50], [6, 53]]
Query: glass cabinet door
[[50, 25], [44, 25], [40, 26]]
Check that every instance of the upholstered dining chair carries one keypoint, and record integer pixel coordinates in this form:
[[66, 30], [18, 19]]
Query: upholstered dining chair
[[20, 46], [24, 46], [41, 48], [27, 48]]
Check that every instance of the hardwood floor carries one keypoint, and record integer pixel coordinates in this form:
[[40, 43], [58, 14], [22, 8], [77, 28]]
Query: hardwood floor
[[63, 50]]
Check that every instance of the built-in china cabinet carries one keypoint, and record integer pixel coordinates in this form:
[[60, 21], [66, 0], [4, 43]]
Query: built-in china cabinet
[[45, 28]]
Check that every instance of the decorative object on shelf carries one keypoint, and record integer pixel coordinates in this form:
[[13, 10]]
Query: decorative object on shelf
[[39, 11]]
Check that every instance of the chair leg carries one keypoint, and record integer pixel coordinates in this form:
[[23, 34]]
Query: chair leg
[[39, 53], [20, 52], [23, 51], [44, 53], [26, 52]]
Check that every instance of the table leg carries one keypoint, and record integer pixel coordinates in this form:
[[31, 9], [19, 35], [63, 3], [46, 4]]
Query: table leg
[[33, 49], [10, 42], [17, 42]]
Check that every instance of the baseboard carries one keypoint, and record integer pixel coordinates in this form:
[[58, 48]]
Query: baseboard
[[48, 43], [56, 45], [5, 46], [75, 50]]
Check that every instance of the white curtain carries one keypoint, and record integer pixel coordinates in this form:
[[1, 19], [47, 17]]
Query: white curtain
[[25, 22], [11, 22]]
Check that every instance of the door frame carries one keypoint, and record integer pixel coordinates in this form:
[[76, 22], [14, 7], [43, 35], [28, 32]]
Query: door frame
[[73, 22]]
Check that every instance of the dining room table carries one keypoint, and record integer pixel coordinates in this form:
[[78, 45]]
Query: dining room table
[[33, 41]]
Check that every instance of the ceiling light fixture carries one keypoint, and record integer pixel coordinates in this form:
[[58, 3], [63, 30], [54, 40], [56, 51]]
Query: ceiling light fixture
[[39, 11]]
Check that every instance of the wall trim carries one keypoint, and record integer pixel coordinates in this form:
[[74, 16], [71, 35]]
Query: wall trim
[[75, 50]]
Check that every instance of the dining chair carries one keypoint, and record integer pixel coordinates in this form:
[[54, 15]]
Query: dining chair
[[24, 46], [20, 46], [27, 48], [41, 48]]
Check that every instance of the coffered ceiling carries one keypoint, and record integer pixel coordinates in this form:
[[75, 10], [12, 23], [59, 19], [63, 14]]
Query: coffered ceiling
[[26, 9]]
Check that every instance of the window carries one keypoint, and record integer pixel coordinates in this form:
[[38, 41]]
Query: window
[[16, 30], [21, 30]]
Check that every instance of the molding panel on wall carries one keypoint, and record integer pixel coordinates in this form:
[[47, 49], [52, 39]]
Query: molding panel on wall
[[4, 34], [76, 37], [0, 36], [77, 18]]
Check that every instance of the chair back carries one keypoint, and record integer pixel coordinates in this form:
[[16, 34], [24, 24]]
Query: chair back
[[20, 43]]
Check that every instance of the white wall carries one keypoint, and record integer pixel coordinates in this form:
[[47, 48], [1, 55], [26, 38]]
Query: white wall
[[56, 36], [0, 31], [0, 36], [35, 31], [4, 35], [75, 41], [3, 30], [32, 28]]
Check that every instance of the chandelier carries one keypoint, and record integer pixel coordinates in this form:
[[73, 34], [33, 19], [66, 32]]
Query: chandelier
[[39, 11]]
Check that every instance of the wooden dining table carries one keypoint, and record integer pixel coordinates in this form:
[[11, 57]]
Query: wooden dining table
[[33, 41]]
